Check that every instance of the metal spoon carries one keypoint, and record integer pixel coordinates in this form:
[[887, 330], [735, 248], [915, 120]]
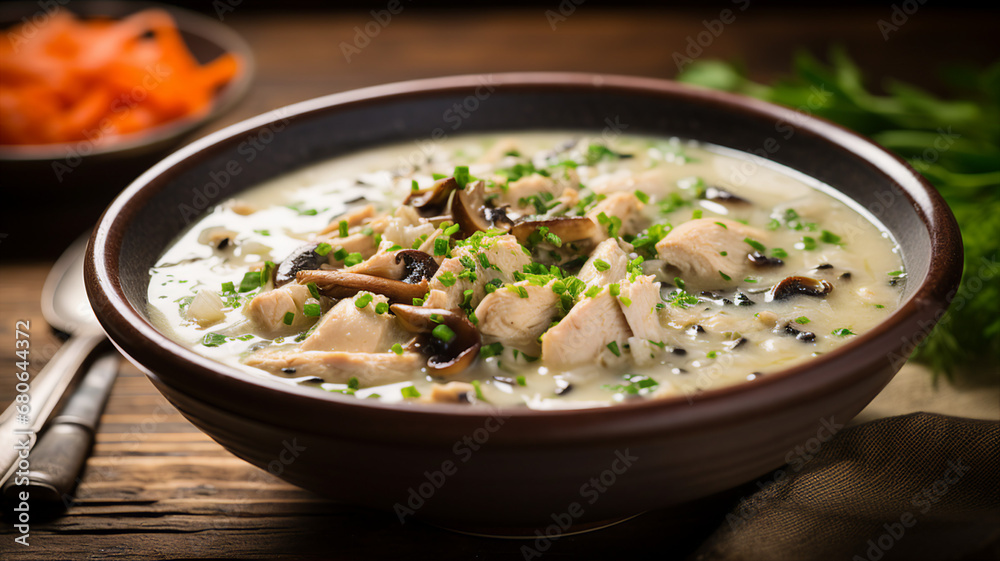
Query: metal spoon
[[65, 308]]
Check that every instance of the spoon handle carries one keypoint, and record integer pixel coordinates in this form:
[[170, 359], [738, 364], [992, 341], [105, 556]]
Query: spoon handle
[[63, 448], [47, 390]]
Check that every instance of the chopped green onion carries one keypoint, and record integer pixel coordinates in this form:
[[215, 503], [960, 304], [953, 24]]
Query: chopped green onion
[[601, 265], [323, 248], [842, 332], [353, 259], [313, 290], [802, 320], [614, 348], [491, 350], [312, 310], [342, 226], [755, 244], [642, 197], [228, 287], [250, 281], [397, 348], [381, 308], [213, 340], [363, 300], [725, 277], [444, 333], [409, 392], [289, 318]]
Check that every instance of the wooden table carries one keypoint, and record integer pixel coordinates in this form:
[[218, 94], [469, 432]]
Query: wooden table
[[157, 488]]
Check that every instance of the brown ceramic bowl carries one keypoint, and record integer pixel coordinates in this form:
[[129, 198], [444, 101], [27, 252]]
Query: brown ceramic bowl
[[518, 467]]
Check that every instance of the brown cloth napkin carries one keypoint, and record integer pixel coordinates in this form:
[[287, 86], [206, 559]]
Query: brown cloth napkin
[[914, 487]]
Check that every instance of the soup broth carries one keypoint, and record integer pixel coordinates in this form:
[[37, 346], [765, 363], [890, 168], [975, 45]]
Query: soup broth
[[546, 270]]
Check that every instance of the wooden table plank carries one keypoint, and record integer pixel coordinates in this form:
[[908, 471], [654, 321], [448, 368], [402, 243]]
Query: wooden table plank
[[156, 488]]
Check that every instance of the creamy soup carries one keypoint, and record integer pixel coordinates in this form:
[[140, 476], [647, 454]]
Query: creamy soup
[[547, 270]]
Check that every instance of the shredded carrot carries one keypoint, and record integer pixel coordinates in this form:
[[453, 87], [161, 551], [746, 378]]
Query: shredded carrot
[[69, 79]]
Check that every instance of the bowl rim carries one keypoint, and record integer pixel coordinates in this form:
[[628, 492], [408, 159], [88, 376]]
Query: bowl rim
[[187, 21], [134, 335]]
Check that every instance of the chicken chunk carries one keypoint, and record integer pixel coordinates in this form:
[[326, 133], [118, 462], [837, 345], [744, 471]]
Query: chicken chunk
[[504, 255], [351, 329], [452, 392], [583, 335], [638, 300], [354, 217], [625, 206], [338, 367], [610, 253], [710, 252], [517, 321], [533, 184], [267, 310]]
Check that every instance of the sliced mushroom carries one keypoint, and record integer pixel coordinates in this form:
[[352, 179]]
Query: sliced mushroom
[[791, 286], [568, 228], [474, 213], [761, 260], [406, 265], [218, 237], [719, 195], [338, 284], [444, 357], [433, 201], [801, 335], [304, 258]]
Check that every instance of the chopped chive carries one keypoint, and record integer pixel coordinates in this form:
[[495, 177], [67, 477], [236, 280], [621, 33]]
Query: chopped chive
[[313, 290], [397, 348], [447, 278], [642, 197], [444, 333], [418, 301], [289, 318], [750, 280], [725, 277], [452, 230], [802, 320], [521, 381], [491, 350], [409, 392], [441, 246], [592, 291], [723, 253], [381, 308], [755, 244], [353, 259], [353, 383], [342, 227], [879, 306], [613, 346], [895, 273], [323, 248], [827, 236], [250, 281], [479, 390], [626, 300], [842, 332], [779, 253], [462, 176], [414, 186], [696, 214], [679, 283], [773, 224], [723, 225], [363, 300], [312, 310], [615, 289], [601, 265], [213, 340], [711, 354], [228, 287]]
